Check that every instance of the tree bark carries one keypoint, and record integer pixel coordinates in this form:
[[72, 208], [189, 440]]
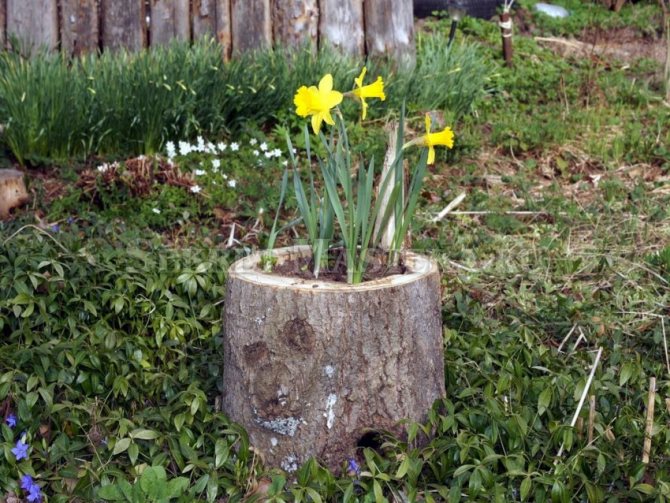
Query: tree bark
[[341, 25], [389, 30], [170, 19], [251, 25], [123, 24], [79, 26], [34, 22], [313, 369], [295, 23]]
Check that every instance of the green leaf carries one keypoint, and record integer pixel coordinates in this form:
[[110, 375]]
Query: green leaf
[[143, 434], [526, 486], [402, 469], [111, 492], [154, 482], [379, 494], [176, 487], [133, 453], [626, 373], [544, 400], [220, 453], [645, 489], [121, 446]]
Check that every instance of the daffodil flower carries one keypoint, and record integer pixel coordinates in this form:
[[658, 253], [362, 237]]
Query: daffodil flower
[[318, 102], [431, 140], [374, 90]]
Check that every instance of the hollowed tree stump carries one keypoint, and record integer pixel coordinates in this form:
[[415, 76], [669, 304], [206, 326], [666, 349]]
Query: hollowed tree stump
[[311, 368]]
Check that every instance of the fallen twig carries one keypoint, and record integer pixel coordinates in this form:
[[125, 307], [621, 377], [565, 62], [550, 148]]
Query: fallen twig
[[565, 339], [458, 200], [582, 398]]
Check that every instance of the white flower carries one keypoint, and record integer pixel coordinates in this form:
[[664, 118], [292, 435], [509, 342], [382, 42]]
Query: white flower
[[216, 163], [253, 141], [103, 168], [284, 162], [256, 152], [268, 154], [276, 152], [225, 177], [201, 144], [156, 211], [185, 148], [232, 183], [196, 189], [210, 148], [264, 146], [221, 146], [234, 146], [170, 149], [294, 151], [199, 172]]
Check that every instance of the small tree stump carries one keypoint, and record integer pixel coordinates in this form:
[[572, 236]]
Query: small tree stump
[[13, 191], [315, 368]]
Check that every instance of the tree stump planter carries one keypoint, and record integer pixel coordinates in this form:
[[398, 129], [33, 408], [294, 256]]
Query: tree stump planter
[[314, 368]]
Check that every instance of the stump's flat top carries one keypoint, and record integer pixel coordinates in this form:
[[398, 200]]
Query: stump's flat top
[[247, 269], [10, 174]]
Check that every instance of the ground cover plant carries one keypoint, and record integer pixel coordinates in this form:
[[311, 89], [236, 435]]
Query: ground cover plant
[[110, 332]]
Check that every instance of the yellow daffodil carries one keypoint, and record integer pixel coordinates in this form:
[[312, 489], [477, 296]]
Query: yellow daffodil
[[374, 90], [431, 140], [317, 102]]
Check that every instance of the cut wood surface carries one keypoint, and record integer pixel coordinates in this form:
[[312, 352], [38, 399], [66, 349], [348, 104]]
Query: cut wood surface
[[79, 26], [170, 19], [204, 18], [33, 22], [295, 23], [123, 24], [389, 30], [341, 26], [313, 368], [223, 28], [251, 24]]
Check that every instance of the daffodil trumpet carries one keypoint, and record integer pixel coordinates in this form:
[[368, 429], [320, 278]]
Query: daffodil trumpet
[[443, 138], [361, 92]]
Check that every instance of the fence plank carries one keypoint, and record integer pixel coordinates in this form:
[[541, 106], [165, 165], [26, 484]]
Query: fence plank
[[170, 19], [251, 24], [223, 28], [123, 24], [389, 29], [295, 22], [3, 19], [79, 26], [341, 25], [204, 18], [34, 22]]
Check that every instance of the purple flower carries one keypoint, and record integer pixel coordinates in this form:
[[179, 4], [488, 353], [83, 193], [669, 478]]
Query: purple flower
[[27, 482], [353, 467], [70, 220], [34, 494], [55, 228], [11, 421], [20, 450]]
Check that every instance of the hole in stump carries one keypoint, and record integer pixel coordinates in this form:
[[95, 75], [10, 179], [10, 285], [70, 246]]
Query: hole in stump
[[371, 440]]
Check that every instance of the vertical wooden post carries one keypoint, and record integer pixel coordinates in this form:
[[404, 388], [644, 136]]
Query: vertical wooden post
[[223, 28], [123, 24], [295, 23], [251, 24], [341, 25], [34, 22], [649, 426], [389, 30], [506, 30], [3, 21], [80, 31], [169, 19], [204, 18]]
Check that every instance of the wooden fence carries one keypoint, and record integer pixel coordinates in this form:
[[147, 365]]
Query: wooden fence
[[355, 27]]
